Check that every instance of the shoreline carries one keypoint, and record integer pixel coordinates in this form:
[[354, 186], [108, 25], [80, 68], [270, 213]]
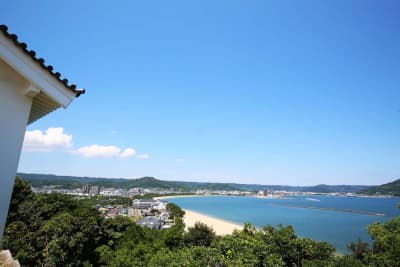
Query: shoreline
[[181, 196], [220, 226], [223, 227], [177, 196]]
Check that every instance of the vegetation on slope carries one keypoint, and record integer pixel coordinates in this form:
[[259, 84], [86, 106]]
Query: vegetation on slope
[[53, 230], [71, 182], [392, 188]]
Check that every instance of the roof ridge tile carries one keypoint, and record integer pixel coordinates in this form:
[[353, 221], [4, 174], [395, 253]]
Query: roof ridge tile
[[40, 61]]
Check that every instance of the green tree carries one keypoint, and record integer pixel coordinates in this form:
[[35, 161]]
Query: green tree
[[105, 254], [312, 250], [285, 242], [18, 239], [386, 243], [112, 231], [199, 235], [360, 250], [242, 248], [21, 192], [175, 211], [174, 237], [347, 261]]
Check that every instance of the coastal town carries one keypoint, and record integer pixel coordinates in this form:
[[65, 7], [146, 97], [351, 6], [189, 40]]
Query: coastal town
[[147, 207], [146, 212], [96, 190]]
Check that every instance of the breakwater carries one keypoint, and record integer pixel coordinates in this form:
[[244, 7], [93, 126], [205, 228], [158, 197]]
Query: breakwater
[[330, 209]]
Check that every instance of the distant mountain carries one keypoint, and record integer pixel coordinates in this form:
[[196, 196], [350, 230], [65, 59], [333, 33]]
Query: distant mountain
[[392, 188], [38, 180]]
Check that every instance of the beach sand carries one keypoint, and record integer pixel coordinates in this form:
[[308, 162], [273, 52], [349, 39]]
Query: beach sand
[[176, 196], [221, 227]]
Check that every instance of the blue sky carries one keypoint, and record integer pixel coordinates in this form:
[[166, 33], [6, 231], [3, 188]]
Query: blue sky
[[272, 92]]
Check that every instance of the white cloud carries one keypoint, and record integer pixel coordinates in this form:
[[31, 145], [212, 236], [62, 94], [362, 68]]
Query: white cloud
[[143, 156], [128, 152], [99, 151], [55, 138], [52, 139]]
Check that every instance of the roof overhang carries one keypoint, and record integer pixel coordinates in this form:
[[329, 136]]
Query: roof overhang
[[46, 88]]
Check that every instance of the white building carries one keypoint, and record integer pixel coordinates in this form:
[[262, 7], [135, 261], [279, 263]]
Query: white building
[[133, 212], [160, 206], [164, 216], [143, 203], [136, 191], [29, 89], [150, 222]]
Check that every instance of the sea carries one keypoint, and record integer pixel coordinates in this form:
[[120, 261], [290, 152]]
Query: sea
[[336, 227]]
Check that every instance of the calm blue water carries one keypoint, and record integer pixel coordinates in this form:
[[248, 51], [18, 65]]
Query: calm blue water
[[338, 228]]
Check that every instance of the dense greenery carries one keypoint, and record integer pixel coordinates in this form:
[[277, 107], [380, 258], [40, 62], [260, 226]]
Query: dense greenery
[[54, 230], [71, 182], [92, 201], [175, 210], [392, 188]]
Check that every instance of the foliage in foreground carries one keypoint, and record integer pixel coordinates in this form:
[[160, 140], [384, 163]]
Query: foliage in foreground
[[54, 230]]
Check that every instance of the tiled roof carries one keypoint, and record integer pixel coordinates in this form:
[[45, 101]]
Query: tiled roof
[[145, 200], [149, 219], [40, 61]]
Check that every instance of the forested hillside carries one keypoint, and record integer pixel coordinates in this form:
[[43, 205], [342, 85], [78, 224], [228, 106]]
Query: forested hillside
[[149, 182], [392, 188]]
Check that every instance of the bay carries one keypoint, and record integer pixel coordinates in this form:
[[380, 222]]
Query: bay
[[337, 228]]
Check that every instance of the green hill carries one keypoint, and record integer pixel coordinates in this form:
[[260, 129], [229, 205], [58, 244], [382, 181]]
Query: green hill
[[70, 182], [392, 188]]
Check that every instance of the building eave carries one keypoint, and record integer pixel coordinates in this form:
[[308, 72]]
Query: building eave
[[47, 88]]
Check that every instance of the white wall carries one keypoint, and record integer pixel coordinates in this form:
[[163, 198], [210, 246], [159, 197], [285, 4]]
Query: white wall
[[14, 113]]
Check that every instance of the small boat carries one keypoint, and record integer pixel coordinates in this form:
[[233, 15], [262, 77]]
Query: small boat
[[312, 199]]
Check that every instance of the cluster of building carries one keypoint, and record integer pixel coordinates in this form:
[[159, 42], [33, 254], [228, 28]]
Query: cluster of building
[[146, 212], [269, 193], [154, 213], [49, 189], [138, 191], [85, 190], [223, 192], [111, 211], [92, 190]]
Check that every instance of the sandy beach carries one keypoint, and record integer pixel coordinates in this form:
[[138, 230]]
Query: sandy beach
[[180, 196], [221, 227], [177, 196]]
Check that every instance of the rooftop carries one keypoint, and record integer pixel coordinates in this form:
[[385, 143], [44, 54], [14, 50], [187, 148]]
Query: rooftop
[[40, 61], [145, 200], [149, 220], [48, 89]]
